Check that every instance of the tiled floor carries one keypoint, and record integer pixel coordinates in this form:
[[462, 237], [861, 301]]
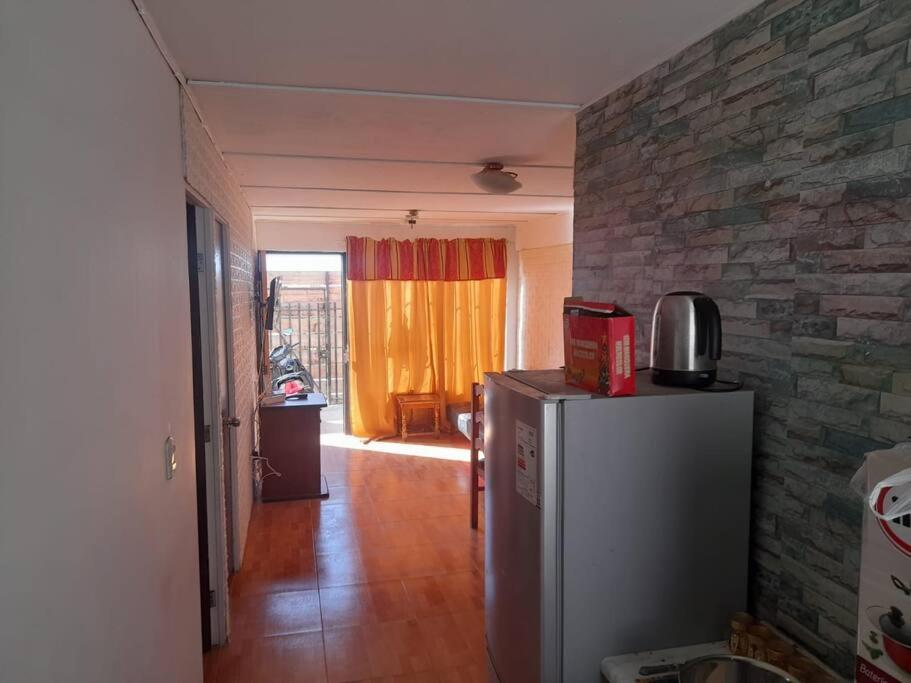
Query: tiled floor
[[381, 582]]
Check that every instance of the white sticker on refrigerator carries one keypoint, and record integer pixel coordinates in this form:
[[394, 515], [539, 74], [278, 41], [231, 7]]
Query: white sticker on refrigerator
[[527, 462]]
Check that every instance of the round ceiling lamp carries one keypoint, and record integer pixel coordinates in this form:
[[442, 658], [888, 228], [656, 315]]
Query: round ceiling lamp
[[493, 179]]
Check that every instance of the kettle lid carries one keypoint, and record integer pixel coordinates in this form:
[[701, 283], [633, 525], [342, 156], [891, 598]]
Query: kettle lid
[[684, 293]]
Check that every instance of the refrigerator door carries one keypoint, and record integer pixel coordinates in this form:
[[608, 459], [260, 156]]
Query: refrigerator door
[[656, 518], [521, 565]]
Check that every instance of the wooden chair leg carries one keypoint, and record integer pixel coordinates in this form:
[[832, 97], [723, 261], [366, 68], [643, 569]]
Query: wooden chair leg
[[475, 483], [477, 444]]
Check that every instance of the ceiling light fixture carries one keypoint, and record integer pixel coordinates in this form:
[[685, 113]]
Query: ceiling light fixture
[[412, 218], [492, 178]]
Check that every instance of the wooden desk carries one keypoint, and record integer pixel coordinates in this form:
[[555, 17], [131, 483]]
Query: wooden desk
[[289, 438], [407, 403]]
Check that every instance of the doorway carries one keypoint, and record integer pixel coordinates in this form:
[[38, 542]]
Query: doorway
[[312, 318], [213, 410]]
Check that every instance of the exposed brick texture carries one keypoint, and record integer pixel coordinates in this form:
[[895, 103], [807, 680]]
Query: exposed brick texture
[[768, 165], [208, 176]]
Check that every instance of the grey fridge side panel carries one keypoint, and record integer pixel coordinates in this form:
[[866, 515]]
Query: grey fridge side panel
[[512, 574], [656, 523], [552, 543]]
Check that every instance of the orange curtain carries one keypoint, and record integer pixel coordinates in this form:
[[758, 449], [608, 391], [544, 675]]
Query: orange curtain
[[420, 336]]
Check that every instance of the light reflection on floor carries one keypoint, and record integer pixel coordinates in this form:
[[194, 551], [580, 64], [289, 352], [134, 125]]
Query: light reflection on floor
[[447, 447]]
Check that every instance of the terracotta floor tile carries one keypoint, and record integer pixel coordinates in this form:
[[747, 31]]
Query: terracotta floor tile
[[281, 515], [397, 489], [364, 604], [446, 484], [396, 648], [423, 677], [372, 537], [381, 582], [346, 655], [340, 569], [404, 534], [453, 530], [276, 573], [281, 539], [353, 514], [344, 494], [476, 673], [209, 664], [298, 657], [424, 507], [426, 596], [380, 565], [400, 510], [389, 477], [471, 625], [332, 539], [455, 558], [273, 614], [445, 593], [447, 645], [345, 477]]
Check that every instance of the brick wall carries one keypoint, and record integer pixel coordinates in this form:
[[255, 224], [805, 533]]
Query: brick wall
[[208, 176], [769, 166], [545, 278], [309, 287]]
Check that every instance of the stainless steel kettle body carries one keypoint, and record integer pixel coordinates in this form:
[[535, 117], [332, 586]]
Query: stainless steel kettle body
[[686, 340]]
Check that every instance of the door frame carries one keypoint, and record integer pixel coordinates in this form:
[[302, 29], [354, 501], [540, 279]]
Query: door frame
[[223, 235], [199, 420], [346, 405], [219, 463]]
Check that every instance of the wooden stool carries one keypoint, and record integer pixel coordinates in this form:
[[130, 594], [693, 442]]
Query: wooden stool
[[406, 404]]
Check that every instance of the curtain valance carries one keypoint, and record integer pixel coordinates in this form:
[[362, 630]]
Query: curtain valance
[[426, 259]]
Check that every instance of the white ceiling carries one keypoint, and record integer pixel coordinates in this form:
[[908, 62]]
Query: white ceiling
[[505, 78]]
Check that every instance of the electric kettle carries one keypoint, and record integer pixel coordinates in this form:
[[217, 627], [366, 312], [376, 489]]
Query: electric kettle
[[686, 340]]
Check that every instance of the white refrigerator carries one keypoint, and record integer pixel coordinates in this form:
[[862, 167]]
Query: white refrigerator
[[612, 525]]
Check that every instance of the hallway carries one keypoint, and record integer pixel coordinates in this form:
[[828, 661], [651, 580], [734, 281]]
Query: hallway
[[381, 582]]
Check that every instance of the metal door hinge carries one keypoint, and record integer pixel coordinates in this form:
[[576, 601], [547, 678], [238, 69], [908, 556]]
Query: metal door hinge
[[200, 263], [211, 598], [207, 433]]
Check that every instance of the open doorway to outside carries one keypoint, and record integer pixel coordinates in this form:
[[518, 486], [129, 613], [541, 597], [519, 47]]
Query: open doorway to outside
[[312, 319]]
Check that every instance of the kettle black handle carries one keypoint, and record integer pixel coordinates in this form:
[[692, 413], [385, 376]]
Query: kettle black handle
[[708, 327]]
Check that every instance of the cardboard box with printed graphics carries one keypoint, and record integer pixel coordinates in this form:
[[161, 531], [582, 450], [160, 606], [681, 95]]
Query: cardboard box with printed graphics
[[599, 347], [884, 600]]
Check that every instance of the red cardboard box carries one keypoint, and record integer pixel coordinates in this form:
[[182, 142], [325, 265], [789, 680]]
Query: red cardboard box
[[599, 347]]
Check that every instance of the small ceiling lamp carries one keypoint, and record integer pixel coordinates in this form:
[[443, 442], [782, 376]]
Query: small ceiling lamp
[[493, 179], [412, 218]]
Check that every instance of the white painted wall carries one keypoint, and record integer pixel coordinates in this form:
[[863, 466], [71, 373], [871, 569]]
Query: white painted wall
[[545, 278], [98, 552], [330, 236], [547, 231]]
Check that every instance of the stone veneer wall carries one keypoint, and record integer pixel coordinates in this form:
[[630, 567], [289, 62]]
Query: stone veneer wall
[[769, 166]]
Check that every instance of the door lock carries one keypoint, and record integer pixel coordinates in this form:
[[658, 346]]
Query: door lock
[[231, 421]]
